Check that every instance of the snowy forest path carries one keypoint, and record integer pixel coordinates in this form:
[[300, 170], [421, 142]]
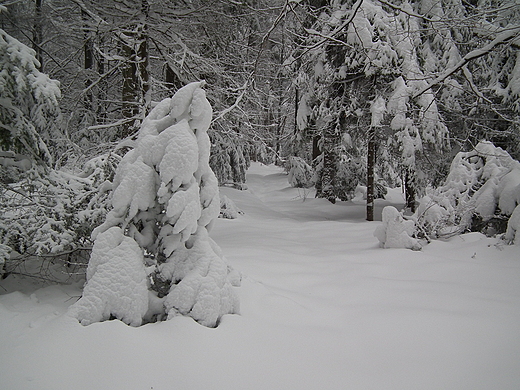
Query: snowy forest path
[[276, 198], [309, 265]]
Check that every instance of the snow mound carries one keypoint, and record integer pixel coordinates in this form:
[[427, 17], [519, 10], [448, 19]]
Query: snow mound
[[116, 282], [513, 227], [395, 232]]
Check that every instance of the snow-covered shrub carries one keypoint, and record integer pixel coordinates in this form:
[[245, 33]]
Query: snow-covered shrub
[[395, 231], [482, 185], [4, 255], [49, 213], [29, 101], [380, 191], [165, 197], [39, 207], [301, 174], [229, 159], [349, 172], [228, 208]]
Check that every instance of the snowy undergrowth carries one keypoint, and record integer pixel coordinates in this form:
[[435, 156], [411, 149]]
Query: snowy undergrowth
[[152, 256], [484, 182]]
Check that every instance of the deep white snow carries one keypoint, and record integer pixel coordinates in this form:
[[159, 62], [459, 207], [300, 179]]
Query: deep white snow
[[322, 307]]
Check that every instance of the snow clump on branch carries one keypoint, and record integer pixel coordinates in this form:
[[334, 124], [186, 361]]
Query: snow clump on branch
[[164, 201]]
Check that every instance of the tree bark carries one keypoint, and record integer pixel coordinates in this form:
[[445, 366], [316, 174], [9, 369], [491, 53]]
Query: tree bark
[[37, 38], [88, 57], [130, 86], [144, 59], [409, 190], [136, 92], [327, 185], [371, 162], [171, 80]]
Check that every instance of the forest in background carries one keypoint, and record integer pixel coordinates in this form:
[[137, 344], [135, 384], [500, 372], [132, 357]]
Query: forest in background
[[342, 93]]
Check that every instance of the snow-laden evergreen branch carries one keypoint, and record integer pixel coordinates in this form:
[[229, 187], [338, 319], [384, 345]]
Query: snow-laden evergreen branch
[[506, 36]]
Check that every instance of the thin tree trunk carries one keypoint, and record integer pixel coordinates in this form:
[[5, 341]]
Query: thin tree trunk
[[37, 39], [101, 109], [296, 98], [171, 80], [88, 57], [409, 190], [327, 186], [136, 93], [371, 162], [144, 59], [130, 85], [315, 147]]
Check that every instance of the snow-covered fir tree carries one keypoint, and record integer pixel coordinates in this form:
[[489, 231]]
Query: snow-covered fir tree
[[366, 72], [152, 257], [480, 193], [401, 74], [46, 214], [29, 104]]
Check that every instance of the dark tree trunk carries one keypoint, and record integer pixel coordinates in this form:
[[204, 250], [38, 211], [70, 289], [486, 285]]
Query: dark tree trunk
[[37, 39], [88, 56], [136, 78], [409, 189], [143, 58], [371, 162], [327, 182], [130, 87], [172, 81], [315, 147], [101, 109], [296, 99]]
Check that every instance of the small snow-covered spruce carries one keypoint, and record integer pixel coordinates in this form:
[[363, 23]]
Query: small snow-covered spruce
[[165, 198], [396, 232], [228, 208], [481, 190], [301, 174]]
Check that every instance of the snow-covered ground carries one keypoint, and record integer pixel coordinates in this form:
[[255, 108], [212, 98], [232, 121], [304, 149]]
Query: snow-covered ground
[[322, 307]]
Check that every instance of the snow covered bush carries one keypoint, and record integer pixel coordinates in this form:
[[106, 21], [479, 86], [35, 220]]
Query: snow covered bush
[[229, 159], [228, 208], [395, 231], [165, 198], [482, 187], [301, 174], [48, 215]]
